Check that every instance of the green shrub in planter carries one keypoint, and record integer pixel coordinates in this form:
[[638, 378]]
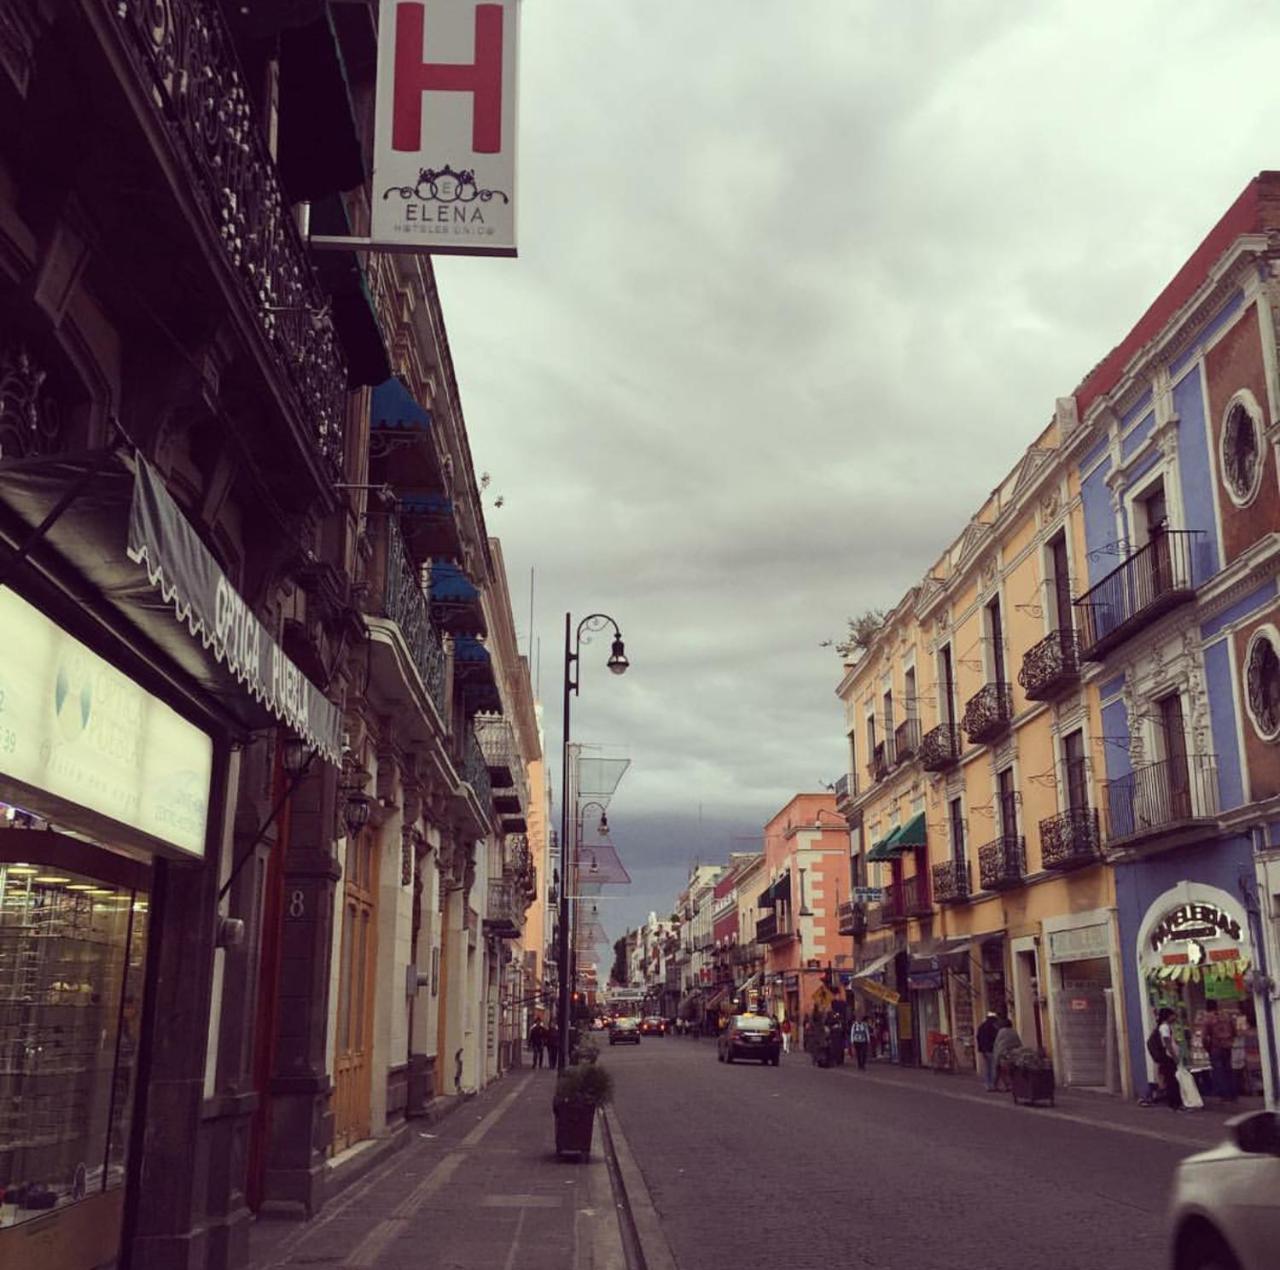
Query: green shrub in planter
[[588, 1051], [585, 1083]]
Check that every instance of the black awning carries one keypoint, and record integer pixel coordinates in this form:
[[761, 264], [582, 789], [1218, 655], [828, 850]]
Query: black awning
[[318, 141], [355, 316], [125, 519]]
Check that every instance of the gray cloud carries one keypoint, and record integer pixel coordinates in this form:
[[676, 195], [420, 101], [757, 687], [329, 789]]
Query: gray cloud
[[798, 283]]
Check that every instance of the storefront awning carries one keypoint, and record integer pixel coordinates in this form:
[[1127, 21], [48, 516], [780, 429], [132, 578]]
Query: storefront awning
[[884, 848], [912, 834], [876, 967], [126, 517]]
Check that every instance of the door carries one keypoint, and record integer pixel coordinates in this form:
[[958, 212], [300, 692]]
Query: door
[[1077, 775], [1159, 572], [995, 627], [1173, 738], [1062, 584], [353, 1051], [948, 711]]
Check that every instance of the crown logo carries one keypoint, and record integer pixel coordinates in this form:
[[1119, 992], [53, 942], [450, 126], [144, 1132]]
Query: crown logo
[[446, 185]]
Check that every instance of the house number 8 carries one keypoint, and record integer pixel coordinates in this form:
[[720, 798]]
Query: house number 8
[[297, 904]]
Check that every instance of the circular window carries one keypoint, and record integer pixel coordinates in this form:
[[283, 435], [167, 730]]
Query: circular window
[[1262, 682], [1240, 448]]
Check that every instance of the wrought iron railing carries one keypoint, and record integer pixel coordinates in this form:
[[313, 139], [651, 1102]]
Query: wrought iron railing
[[1051, 666], [893, 907], [769, 929], [917, 898], [1162, 795], [475, 771], [851, 918], [183, 55], [498, 745], [1155, 578], [906, 740], [879, 915], [940, 748], [1071, 839], [503, 910], [1002, 863], [404, 604], [846, 788], [951, 881], [988, 713], [881, 760]]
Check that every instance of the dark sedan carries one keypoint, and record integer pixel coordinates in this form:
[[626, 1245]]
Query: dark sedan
[[625, 1032], [750, 1036]]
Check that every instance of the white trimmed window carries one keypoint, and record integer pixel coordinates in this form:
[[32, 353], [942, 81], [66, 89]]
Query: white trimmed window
[[1262, 682]]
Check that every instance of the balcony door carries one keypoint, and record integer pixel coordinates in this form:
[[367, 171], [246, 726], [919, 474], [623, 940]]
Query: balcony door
[[1077, 772], [1153, 510], [1063, 611], [353, 1051], [1008, 797], [1173, 746], [947, 684], [995, 633]]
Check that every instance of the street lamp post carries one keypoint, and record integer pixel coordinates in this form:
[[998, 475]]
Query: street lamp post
[[617, 663]]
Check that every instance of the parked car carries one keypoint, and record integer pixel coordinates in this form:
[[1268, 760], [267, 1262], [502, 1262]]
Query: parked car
[[653, 1026], [750, 1036], [625, 1032], [1225, 1209]]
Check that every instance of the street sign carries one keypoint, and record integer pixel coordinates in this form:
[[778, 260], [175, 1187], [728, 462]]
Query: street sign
[[868, 894]]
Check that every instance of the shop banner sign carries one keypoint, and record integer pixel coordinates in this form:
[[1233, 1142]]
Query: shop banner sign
[[444, 160], [183, 570], [75, 732]]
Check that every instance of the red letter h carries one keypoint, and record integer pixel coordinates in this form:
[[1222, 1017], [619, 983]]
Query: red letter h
[[482, 79]]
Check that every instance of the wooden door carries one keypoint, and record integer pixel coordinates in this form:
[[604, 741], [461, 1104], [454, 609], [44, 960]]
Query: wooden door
[[353, 1051], [1178, 778]]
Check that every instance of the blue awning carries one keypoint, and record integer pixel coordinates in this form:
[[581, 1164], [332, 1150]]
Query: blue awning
[[394, 408], [468, 649], [450, 584], [473, 665], [432, 506]]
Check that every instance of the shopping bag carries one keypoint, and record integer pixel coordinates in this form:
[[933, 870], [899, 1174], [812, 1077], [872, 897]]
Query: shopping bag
[[1187, 1088]]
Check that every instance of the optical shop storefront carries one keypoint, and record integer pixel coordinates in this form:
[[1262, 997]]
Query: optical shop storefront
[[107, 793]]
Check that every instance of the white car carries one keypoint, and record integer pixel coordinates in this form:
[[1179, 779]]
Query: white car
[[1225, 1211]]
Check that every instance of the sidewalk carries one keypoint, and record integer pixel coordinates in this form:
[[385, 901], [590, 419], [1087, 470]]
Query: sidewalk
[[1088, 1106], [481, 1190]]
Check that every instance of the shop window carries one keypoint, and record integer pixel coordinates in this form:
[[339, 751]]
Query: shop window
[[1262, 682], [72, 953], [1240, 449]]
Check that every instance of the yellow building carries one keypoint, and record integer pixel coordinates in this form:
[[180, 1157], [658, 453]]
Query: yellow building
[[974, 773]]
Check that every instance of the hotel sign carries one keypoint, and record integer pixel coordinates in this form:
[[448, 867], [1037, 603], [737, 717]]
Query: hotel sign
[[444, 162], [77, 732]]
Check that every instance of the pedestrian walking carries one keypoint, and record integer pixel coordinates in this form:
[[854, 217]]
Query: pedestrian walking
[[1219, 1036], [552, 1038], [859, 1039], [1164, 1053], [1007, 1040], [988, 1030], [835, 1039], [537, 1041], [786, 1036]]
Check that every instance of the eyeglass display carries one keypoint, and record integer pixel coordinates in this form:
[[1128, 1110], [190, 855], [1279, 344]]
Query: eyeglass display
[[72, 953]]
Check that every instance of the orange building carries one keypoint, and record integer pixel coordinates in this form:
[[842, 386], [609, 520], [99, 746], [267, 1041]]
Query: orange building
[[805, 878]]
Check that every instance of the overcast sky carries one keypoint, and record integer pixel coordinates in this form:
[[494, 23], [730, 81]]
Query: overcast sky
[[798, 282]]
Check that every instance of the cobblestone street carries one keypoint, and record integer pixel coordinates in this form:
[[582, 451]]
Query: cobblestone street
[[800, 1167]]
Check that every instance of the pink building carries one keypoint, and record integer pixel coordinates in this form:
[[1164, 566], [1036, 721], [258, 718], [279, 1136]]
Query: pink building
[[805, 879]]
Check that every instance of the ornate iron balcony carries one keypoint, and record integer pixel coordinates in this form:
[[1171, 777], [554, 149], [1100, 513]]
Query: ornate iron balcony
[[852, 918], [404, 604], [503, 913], [1161, 796], [1153, 580], [770, 931], [1051, 666], [184, 57], [951, 882], [881, 761], [906, 740], [846, 789], [497, 743], [908, 898], [475, 771], [940, 748], [988, 713], [1071, 839], [1003, 863]]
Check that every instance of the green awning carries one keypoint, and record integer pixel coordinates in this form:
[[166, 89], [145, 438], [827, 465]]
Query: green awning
[[911, 834], [885, 849]]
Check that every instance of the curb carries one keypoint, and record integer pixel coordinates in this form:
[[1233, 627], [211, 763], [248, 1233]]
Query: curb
[[643, 1239]]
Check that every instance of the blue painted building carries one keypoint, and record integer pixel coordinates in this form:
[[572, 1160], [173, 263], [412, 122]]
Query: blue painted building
[[1181, 510]]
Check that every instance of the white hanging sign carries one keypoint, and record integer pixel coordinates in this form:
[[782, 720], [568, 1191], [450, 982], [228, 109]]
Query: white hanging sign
[[444, 166]]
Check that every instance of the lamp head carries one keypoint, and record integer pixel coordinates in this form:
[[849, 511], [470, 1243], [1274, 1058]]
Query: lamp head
[[356, 812], [618, 662], [293, 755]]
